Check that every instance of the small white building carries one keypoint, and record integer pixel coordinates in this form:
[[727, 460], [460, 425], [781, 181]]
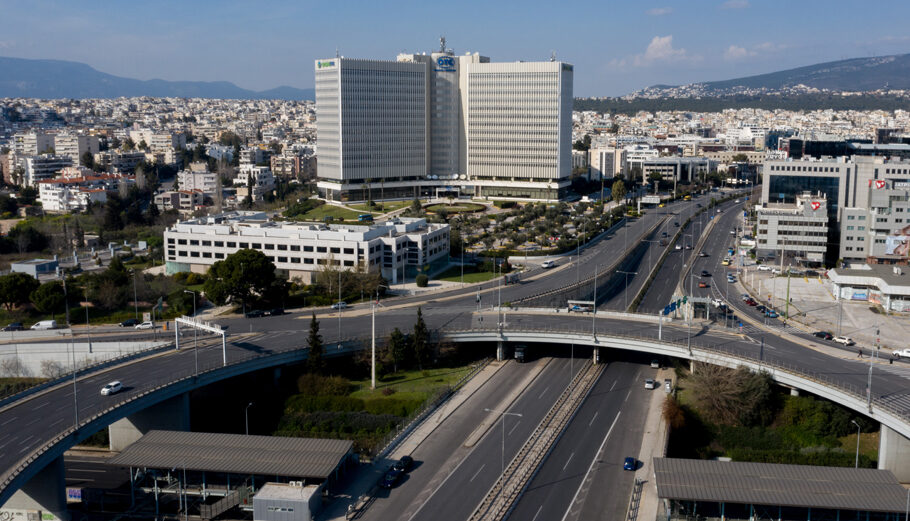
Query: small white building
[[888, 286], [286, 502], [76, 188], [206, 182], [800, 229], [262, 179]]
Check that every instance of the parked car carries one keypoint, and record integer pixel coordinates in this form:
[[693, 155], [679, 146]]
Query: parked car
[[760, 308], [146, 325], [824, 335], [630, 463], [668, 385], [340, 305], [44, 325], [112, 388], [274, 312], [731, 279], [130, 322], [655, 363], [770, 313], [14, 326], [901, 353], [254, 313], [847, 341], [404, 464], [650, 383], [764, 267], [751, 302], [391, 478]]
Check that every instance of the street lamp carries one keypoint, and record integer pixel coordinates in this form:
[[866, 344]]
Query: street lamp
[[135, 300], [195, 330], [856, 464], [246, 417], [502, 415], [373, 305], [626, 291]]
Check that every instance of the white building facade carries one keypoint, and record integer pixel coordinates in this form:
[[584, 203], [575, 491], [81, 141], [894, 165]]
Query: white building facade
[[799, 230]]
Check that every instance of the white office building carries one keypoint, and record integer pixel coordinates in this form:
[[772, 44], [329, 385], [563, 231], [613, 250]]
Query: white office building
[[607, 162], [403, 128], [397, 247], [798, 230]]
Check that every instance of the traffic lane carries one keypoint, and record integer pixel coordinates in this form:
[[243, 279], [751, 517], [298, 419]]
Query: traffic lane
[[463, 490], [549, 494], [93, 472], [441, 452]]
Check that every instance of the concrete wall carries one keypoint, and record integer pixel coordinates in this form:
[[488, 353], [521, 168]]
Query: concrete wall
[[894, 453], [43, 497], [173, 414], [27, 359]]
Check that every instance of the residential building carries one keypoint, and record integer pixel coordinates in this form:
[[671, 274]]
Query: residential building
[[205, 182], [74, 145], [32, 143], [117, 162], [397, 248], [158, 141], [77, 188], [798, 230], [259, 177], [607, 162], [38, 168], [184, 201]]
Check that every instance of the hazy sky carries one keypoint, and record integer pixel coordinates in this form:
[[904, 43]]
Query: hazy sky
[[617, 47]]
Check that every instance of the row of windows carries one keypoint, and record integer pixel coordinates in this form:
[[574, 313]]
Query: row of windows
[[856, 217], [798, 168], [795, 223], [260, 246], [858, 248], [292, 260], [859, 228]]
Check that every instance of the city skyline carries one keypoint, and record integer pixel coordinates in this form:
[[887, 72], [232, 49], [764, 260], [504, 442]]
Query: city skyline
[[616, 49]]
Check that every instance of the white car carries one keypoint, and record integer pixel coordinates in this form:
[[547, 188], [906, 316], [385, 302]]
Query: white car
[[678, 247], [847, 341], [901, 353], [340, 305], [112, 388], [764, 267], [650, 384], [146, 325], [547, 264]]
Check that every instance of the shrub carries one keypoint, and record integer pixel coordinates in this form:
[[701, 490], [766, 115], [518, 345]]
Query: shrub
[[422, 280], [388, 391], [194, 278], [317, 385]]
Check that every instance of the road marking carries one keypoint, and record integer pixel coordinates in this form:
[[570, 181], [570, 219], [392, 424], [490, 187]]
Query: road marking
[[478, 472], [513, 427], [592, 418], [612, 386], [40, 406], [36, 420], [627, 396], [14, 418], [544, 392], [591, 466], [567, 461], [538, 513]]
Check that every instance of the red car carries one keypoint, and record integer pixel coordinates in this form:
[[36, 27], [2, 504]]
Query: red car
[[702, 285], [751, 302]]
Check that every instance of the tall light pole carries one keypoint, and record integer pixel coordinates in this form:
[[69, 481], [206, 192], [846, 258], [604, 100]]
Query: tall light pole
[[856, 464], [75, 401], [594, 308], [626, 291], [135, 300], [503, 414], [340, 310], [373, 304], [246, 417], [195, 330]]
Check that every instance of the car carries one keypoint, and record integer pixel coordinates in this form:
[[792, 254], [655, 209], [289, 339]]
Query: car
[[704, 273], [254, 313], [130, 322], [44, 325], [751, 302], [404, 464], [547, 264], [668, 385], [732, 232], [391, 478], [146, 325], [764, 267], [718, 210], [824, 335], [664, 234], [14, 326], [901, 353], [775, 271], [655, 363], [678, 247], [629, 463], [676, 224], [274, 312], [770, 313], [725, 262], [731, 278], [702, 284], [340, 305], [760, 308], [688, 246], [847, 341], [650, 383], [702, 254], [698, 205], [112, 388]]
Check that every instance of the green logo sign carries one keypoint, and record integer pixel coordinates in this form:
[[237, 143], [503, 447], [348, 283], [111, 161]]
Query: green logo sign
[[325, 63]]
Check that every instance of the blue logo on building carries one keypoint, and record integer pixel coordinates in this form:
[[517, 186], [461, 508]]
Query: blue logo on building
[[445, 64]]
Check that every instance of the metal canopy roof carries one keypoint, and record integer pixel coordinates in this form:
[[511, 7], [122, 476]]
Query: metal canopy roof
[[784, 485], [235, 454]]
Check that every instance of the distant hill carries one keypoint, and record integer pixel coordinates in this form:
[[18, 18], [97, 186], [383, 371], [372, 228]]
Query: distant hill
[[65, 79], [855, 74]]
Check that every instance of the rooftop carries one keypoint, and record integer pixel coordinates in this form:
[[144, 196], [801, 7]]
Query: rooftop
[[285, 491], [235, 454], [784, 485]]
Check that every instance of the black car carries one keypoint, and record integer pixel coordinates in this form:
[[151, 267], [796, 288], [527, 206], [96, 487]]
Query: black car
[[391, 478], [824, 335], [14, 326], [704, 273], [254, 313], [274, 312], [404, 464], [760, 308], [130, 322]]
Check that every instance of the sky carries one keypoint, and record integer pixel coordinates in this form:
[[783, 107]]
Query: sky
[[616, 47]]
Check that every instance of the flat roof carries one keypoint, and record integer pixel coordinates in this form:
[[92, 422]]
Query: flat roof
[[285, 491], [236, 454], [783, 485]]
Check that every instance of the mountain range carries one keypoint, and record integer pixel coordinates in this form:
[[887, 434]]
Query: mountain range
[[855, 74], [50, 79]]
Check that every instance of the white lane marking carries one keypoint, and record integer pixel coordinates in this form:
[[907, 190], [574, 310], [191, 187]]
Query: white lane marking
[[538, 513], [614, 385], [592, 418], [14, 418], [567, 461], [513, 428], [544, 392], [591, 466], [627, 396], [478, 472], [40, 406], [36, 420]]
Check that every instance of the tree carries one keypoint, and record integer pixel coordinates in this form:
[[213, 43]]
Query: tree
[[397, 348], [143, 145], [619, 190], [315, 350], [49, 297], [740, 158], [87, 160], [15, 289], [129, 144], [242, 276], [732, 396], [420, 340]]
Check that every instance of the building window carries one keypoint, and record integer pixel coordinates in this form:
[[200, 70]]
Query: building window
[[194, 254], [181, 241], [349, 251], [219, 244], [295, 260], [206, 243], [244, 245], [219, 255], [194, 242], [295, 247], [283, 247], [321, 249], [170, 240], [307, 260], [257, 245], [270, 246], [336, 250], [231, 244], [308, 248], [282, 259], [207, 255], [348, 263]]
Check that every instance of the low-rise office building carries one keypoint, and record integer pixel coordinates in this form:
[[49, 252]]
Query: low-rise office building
[[797, 230], [397, 248], [184, 201], [888, 286]]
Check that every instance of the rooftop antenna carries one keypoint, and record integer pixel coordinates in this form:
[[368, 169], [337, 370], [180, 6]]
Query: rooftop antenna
[[336, 52], [442, 44], [552, 56]]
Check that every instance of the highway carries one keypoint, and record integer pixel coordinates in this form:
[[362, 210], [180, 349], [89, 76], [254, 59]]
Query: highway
[[583, 478]]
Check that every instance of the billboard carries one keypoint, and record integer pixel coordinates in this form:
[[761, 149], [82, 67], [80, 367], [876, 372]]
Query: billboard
[[897, 245], [650, 199]]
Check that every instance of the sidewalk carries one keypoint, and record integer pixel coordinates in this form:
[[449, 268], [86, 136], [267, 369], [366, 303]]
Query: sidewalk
[[653, 445], [366, 477]]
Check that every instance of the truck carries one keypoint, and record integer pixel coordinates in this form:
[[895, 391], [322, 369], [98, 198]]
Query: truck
[[520, 354], [901, 353]]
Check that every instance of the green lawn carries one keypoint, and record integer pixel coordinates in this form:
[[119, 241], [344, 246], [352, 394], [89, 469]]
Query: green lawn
[[388, 206], [337, 212], [456, 208], [411, 384]]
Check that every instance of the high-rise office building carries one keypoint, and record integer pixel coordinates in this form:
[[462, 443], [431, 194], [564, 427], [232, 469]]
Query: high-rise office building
[[439, 121]]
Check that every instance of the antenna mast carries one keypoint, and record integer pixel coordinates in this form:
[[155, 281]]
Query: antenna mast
[[442, 44], [552, 56]]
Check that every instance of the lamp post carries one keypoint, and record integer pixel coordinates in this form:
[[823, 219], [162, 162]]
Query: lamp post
[[340, 310], [195, 330], [626, 290], [856, 464], [503, 414], [246, 417], [373, 305], [75, 401], [135, 300]]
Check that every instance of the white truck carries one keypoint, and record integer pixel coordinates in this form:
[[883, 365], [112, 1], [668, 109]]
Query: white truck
[[901, 353]]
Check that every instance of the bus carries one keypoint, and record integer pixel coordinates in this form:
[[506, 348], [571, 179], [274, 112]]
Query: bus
[[365, 218]]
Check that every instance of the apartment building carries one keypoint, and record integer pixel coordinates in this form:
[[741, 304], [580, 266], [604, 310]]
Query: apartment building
[[259, 177], [77, 188], [607, 162], [184, 201], [32, 143], [74, 145], [397, 247], [158, 141], [205, 182], [39, 168]]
